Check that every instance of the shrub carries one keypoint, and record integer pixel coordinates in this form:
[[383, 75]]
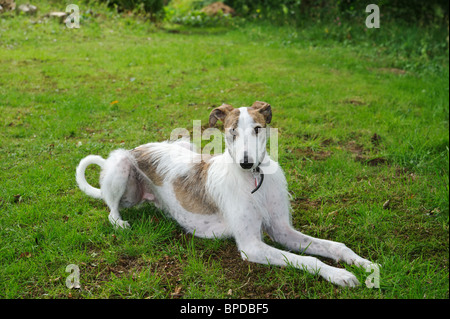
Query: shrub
[[275, 10], [198, 18], [153, 7], [414, 11], [188, 13]]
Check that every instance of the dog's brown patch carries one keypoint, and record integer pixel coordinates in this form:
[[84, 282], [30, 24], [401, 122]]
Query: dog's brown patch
[[219, 113], [261, 112], [232, 119], [257, 116], [148, 162], [190, 190]]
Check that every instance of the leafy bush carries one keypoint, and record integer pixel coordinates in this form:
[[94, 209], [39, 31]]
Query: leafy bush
[[188, 13], [153, 7], [197, 18], [414, 11], [274, 10]]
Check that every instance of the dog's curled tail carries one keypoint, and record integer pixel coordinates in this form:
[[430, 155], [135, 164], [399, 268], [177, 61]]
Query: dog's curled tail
[[81, 178]]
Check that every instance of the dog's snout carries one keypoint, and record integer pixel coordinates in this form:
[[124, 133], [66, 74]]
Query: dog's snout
[[247, 163]]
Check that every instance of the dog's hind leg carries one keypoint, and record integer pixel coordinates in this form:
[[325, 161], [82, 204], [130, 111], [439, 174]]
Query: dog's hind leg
[[114, 185]]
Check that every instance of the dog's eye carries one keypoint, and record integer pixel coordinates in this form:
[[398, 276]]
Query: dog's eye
[[233, 132], [257, 129]]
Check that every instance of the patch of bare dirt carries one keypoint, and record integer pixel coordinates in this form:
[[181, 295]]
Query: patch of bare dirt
[[168, 269], [248, 276], [375, 139], [303, 203], [376, 161], [308, 153], [361, 154], [355, 101], [327, 142]]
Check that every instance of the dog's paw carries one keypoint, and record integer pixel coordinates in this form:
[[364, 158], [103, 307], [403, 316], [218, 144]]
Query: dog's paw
[[366, 264], [342, 277], [122, 224], [119, 223]]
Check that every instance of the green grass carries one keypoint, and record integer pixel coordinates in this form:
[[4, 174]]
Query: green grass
[[359, 125]]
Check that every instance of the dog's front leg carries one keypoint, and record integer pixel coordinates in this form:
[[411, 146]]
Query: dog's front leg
[[283, 233], [280, 229], [246, 227], [259, 252]]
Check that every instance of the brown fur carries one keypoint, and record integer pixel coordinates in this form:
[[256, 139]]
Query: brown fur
[[261, 112], [257, 117], [190, 190], [147, 163], [231, 121], [219, 113]]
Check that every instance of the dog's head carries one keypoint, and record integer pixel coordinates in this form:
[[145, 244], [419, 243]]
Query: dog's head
[[245, 131]]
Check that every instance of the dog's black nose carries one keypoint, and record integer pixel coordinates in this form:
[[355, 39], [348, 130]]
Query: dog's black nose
[[246, 164]]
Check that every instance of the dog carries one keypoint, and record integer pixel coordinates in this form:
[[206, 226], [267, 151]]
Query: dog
[[227, 195]]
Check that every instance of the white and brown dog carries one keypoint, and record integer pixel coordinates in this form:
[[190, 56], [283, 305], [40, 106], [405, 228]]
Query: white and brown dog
[[222, 196]]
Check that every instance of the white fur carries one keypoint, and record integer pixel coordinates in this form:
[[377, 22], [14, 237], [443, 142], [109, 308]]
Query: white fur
[[240, 214], [81, 179]]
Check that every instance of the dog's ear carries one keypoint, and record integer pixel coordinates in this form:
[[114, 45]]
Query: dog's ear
[[265, 109], [219, 113]]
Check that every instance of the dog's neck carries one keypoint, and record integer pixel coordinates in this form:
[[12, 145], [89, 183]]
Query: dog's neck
[[255, 174]]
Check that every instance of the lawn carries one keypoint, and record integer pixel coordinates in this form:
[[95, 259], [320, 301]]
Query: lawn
[[363, 140]]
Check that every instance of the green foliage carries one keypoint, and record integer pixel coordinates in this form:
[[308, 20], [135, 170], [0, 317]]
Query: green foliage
[[188, 13], [296, 11], [273, 10], [340, 23], [197, 18], [411, 11], [153, 7]]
